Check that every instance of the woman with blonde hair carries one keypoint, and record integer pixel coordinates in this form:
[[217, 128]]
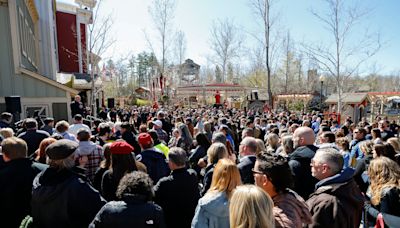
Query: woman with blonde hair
[[213, 208], [384, 174], [251, 207]]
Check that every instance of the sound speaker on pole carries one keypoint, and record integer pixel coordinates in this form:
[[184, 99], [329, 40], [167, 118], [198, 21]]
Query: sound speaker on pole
[[13, 106], [110, 102]]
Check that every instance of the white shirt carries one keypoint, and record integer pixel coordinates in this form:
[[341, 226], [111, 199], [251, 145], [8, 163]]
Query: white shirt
[[74, 128]]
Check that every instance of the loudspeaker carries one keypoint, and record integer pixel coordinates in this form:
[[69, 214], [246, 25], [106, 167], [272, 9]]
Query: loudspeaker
[[110, 102], [13, 106], [255, 95]]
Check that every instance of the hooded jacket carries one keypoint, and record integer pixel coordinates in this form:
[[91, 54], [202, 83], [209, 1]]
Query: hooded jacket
[[336, 202], [63, 198], [212, 211], [299, 162], [290, 210], [155, 162]]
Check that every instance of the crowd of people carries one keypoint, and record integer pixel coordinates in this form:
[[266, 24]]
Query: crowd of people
[[204, 167]]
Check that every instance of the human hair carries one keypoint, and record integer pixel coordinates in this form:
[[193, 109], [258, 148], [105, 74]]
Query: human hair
[[343, 143], [395, 143], [277, 169], [126, 126], [30, 123], [66, 163], [367, 147], [215, 152], [41, 152], [6, 116], [362, 131], [104, 128], [226, 177], [106, 162], [384, 149], [178, 156], [136, 183], [273, 140], [250, 143], [287, 144], [6, 132], [207, 126], [383, 173], [330, 136], [219, 137], [78, 117], [154, 136], [251, 207], [122, 164], [62, 126], [143, 128], [83, 135], [14, 148], [202, 140], [248, 131], [260, 146], [376, 133], [332, 157]]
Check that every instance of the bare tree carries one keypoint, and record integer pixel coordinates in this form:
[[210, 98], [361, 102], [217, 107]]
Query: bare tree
[[262, 10], [350, 48], [226, 43], [180, 51]]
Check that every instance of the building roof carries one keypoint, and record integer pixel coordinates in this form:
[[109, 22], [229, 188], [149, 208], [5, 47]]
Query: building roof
[[347, 98]]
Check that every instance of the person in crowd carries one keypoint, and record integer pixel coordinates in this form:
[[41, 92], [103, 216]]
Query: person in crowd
[[154, 160], [77, 107], [384, 191], [122, 162], [78, 124], [287, 146], [48, 125], [225, 130], [158, 145], [176, 139], [213, 208], [272, 173], [63, 184], [178, 193], [200, 151], [62, 130], [134, 206], [130, 137], [260, 146], [5, 119], [299, 161], [216, 152], [166, 125], [6, 132], [361, 170], [207, 130], [32, 136], [187, 139], [384, 149], [16, 177], [250, 207], [247, 153], [272, 141], [40, 154], [386, 133], [104, 135], [376, 136], [92, 152], [395, 143], [337, 200], [327, 140], [355, 152], [105, 165], [162, 135], [344, 148]]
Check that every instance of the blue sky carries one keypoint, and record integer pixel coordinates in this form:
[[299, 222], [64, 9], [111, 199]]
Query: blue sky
[[194, 18]]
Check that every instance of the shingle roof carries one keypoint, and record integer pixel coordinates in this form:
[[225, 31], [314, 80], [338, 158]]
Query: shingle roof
[[348, 98]]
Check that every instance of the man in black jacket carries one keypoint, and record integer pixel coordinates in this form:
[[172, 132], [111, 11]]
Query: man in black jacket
[[62, 195], [16, 177], [247, 152], [300, 159], [129, 137], [178, 193], [32, 136]]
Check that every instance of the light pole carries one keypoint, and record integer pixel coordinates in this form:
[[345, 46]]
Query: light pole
[[322, 78]]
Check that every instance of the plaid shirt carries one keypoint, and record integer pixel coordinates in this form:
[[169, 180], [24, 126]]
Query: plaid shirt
[[94, 159]]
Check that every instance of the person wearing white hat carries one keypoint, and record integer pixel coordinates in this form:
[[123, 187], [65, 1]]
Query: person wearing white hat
[[162, 135]]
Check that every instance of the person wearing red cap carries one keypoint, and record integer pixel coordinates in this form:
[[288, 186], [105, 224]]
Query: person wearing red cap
[[154, 160], [122, 162]]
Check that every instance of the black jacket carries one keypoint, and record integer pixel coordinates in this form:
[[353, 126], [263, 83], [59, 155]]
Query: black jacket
[[33, 138], [16, 179], [389, 207], [207, 179], [299, 162], [196, 154], [130, 138], [178, 194], [64, 199], [155, 162], [132, 211], [245, 167]]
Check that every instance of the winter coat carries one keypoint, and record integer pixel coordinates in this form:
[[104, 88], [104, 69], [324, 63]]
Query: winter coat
[[290, 210], [16, 177], [245, 167], [155, 162], [130, 138], [336, 202], [33, 138], [209, 171], [64, 198], [178, 194], [131, 211], [299, 162], [197, 153], [212, 211]]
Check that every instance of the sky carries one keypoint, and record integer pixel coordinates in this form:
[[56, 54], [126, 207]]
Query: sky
[[195, 17]]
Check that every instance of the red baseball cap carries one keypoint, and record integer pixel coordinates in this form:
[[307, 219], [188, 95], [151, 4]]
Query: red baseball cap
[[145, 139], [121, 147]]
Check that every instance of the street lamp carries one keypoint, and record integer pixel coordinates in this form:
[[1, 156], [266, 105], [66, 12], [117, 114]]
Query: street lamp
[[322, 78]]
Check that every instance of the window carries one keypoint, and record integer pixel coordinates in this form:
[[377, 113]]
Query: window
[[27, 37]]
